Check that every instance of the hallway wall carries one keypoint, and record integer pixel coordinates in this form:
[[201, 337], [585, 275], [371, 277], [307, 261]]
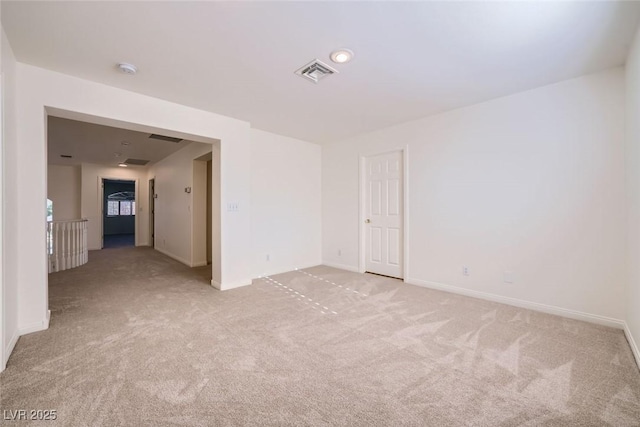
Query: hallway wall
[[63, 188], [173, 206]]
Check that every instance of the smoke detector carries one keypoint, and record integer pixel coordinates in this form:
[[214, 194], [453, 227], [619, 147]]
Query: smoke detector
[[127, 68], [315, 70]]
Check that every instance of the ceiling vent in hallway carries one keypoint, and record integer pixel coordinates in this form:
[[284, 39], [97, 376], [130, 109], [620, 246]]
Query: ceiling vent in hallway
[[165, 138], [315, 71], [135, 162]]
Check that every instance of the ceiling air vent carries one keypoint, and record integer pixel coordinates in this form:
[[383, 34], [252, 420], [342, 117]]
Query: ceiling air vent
[[316, 70], [136, 162], [165, 138]]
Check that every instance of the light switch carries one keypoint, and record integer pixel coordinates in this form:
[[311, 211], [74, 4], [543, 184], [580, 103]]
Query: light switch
[[233, 207]]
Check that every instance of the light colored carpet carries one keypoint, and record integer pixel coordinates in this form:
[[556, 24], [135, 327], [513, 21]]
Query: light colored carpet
[[138, 339]]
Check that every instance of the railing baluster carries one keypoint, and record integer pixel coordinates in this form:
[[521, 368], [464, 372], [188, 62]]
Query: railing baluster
[[78, 244], [56, 246], [68, 242], [85, 227]]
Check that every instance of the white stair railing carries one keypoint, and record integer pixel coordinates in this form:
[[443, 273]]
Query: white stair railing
[[67, 244]]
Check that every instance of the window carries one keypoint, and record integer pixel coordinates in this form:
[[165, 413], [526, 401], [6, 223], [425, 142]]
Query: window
[[49, 210], [121, 204], [125, 207], [113, 208]]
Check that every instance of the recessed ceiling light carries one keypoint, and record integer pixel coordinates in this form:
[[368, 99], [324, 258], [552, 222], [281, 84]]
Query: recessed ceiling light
[[127, 68], [341, 56], [122, 165]]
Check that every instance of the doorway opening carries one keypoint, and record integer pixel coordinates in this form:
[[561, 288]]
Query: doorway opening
[[118, 213], [209, 210], [206, 208], [152, 212], [85, 152], [383, 212]]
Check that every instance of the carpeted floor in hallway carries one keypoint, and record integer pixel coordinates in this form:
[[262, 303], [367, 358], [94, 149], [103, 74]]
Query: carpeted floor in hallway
[[137, 339]]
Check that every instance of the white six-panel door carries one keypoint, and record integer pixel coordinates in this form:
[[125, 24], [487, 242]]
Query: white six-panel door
[[384, 202]]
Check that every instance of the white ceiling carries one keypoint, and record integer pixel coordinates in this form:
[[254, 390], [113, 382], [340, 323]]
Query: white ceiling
[[92, 143], [238, 58]]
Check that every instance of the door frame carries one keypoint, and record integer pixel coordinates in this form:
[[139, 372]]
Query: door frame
[[152, 211], [136, 228], [362, 190], [198, 196]]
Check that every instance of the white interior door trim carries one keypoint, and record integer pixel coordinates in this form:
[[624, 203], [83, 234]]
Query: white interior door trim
[[362, 208]]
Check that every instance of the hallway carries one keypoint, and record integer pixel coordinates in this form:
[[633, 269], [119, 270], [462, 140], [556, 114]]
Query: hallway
[[118, 241]]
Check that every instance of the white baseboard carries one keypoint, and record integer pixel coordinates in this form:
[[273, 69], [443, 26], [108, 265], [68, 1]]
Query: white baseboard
[[176, 257], [199, 264], [12, 344], [544, 308], [36, 326], [28, 329], [180, 259], [341, 266], [632, 344], [228, 286]]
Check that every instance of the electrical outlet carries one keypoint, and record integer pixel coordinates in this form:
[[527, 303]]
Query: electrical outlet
[[339, 252], [508, 277], [268, 257], [465, 270]]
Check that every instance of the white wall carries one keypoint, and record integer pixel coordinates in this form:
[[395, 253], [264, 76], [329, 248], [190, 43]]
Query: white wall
[[285, 204], [3, 340], [92, 203], [9, 232], [63, 189], [173, 206], [286, 199], [38, 91], [531, 183], [633, 195], [10, 201]]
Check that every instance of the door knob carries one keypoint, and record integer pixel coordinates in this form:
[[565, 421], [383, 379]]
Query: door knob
[[367, 221]]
